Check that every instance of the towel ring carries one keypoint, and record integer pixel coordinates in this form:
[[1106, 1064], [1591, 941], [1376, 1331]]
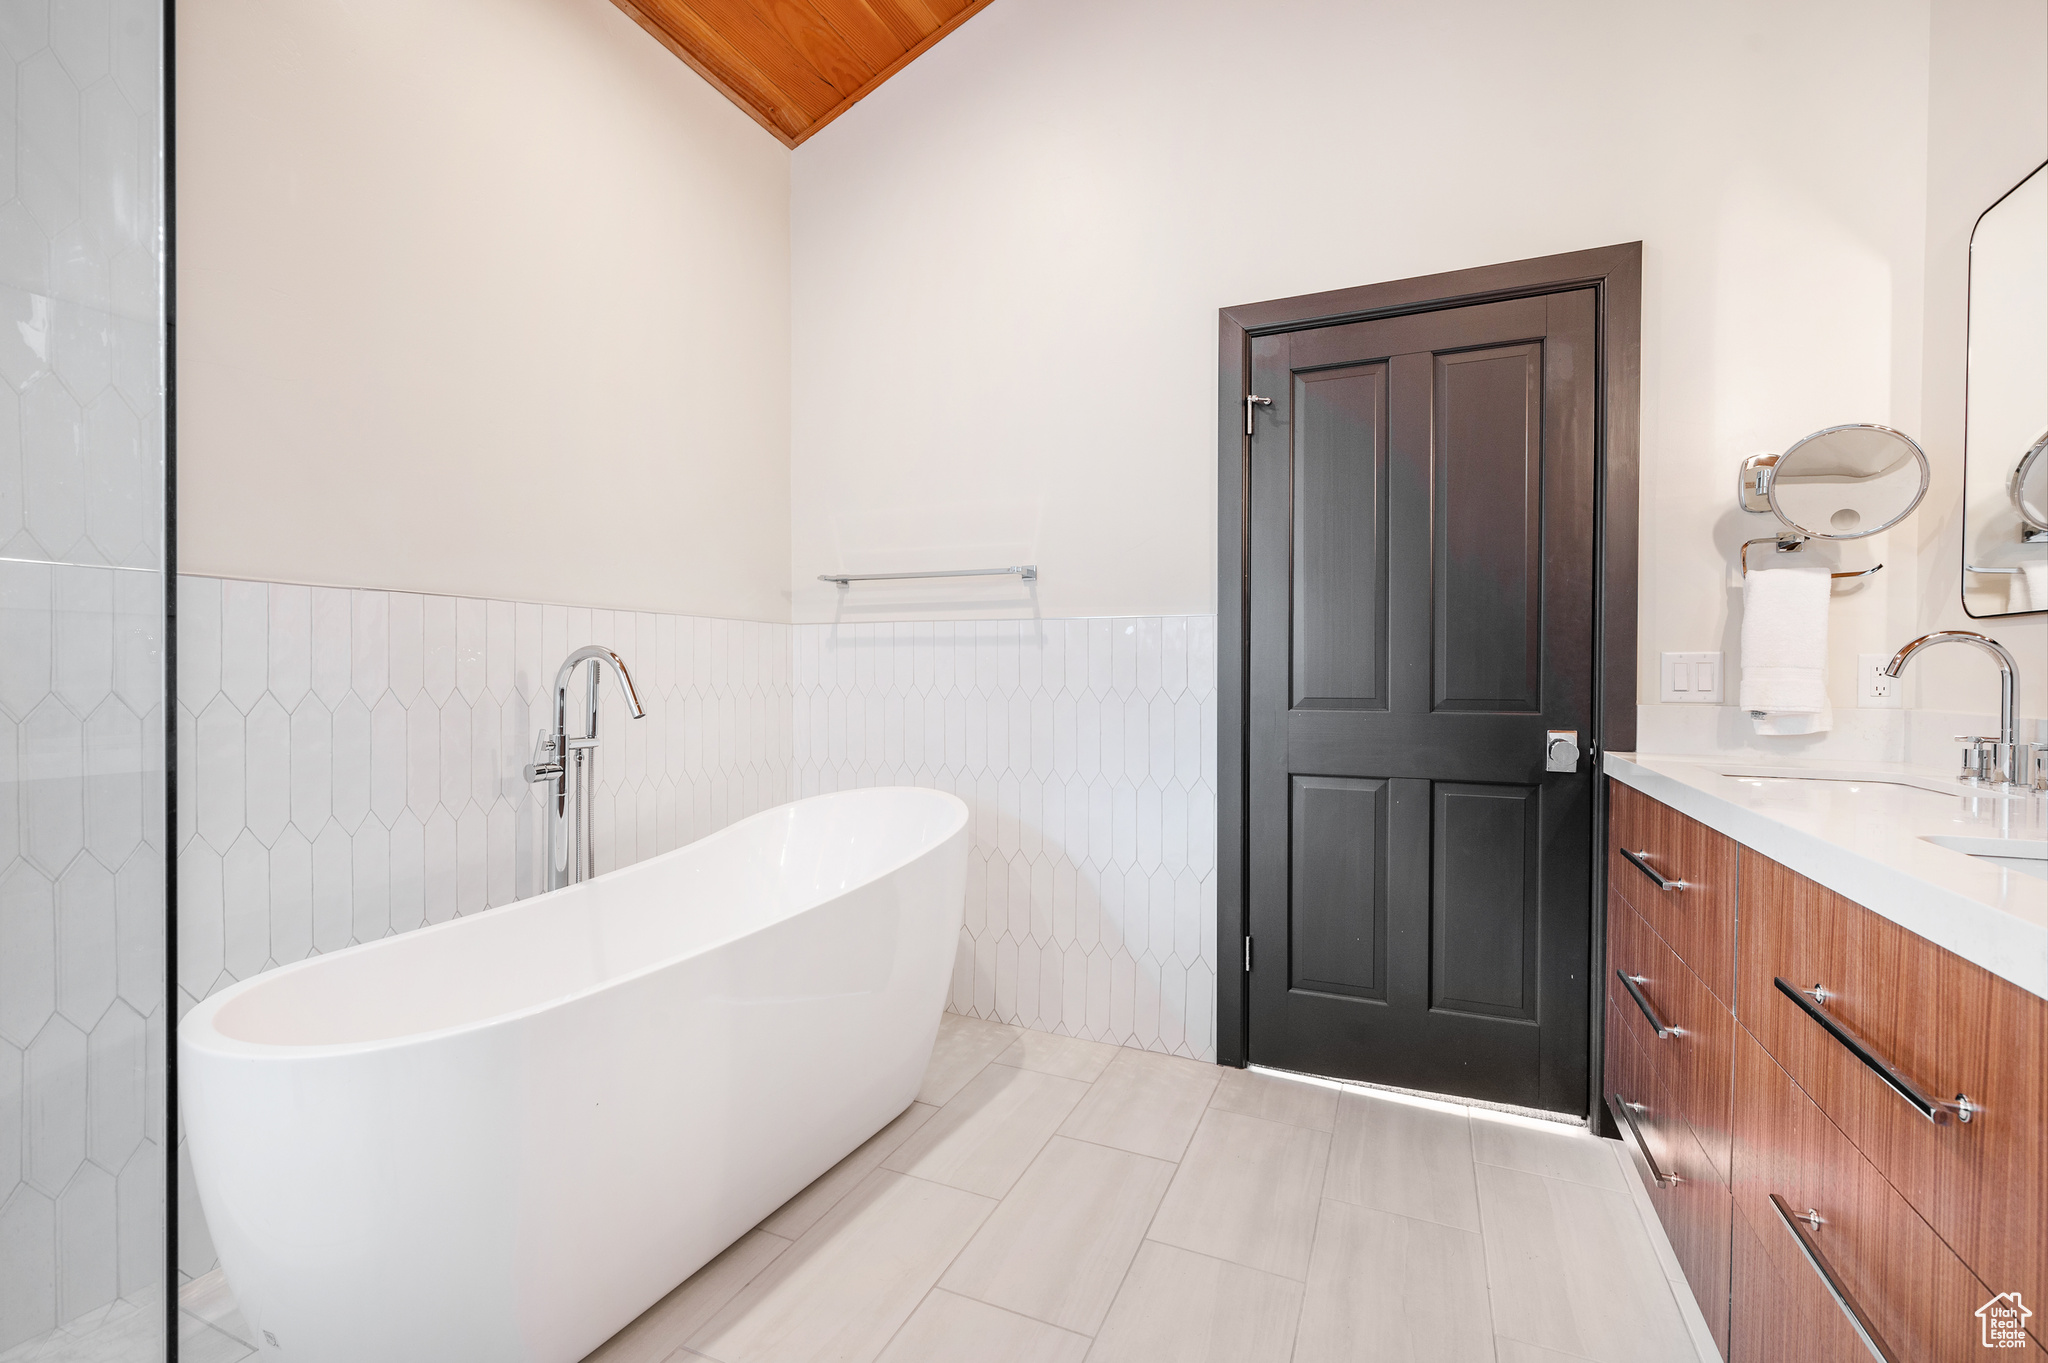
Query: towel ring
[[1788, 546]]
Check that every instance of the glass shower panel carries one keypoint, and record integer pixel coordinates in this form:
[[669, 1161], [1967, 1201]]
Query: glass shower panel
[[84, 1021]]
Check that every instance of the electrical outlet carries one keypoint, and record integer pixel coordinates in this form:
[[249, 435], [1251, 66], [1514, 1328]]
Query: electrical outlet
[[1874, 690], [1691, 678]]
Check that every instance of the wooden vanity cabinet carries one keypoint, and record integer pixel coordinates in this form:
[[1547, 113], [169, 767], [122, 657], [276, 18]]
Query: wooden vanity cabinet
[[1668, 1049], [1948, 1028], [1691, 1053], [1693, 1205], [1774, 1311], [1745, 1093], [1680, 876], [1916, 1293]]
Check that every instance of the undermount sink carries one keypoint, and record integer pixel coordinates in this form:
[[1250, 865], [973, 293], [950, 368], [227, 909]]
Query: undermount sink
[[2028, 856], [1851, 781], [1854, 781]]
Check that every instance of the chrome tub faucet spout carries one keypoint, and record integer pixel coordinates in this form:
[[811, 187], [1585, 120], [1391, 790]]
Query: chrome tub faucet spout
[[556, 756]]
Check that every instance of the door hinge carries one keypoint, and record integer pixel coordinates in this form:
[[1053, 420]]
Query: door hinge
[[1252, 400], [1247, 955]]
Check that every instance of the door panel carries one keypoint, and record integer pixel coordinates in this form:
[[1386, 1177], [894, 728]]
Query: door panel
[[1483, 954], [1421, 560], [1489, 542], [1339, 919], [1340, 538]]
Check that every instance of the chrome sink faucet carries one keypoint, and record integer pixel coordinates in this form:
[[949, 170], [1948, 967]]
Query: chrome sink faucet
[[2005, 760], [570, 855]]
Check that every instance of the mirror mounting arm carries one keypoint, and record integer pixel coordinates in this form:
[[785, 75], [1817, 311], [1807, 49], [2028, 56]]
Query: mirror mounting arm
[[1753, 483]]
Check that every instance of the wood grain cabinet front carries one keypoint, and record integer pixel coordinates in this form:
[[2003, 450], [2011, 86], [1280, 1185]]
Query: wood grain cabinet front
[[1769, 1318], [1847, 1263], [1891, 1036], [1689, 1194], [1851, 1124], [1696, 1211], [1621, 1082], [1680, 876], [1683, 1032]]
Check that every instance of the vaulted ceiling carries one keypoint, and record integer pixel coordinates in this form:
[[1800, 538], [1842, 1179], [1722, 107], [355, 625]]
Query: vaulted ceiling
[[795, 65]]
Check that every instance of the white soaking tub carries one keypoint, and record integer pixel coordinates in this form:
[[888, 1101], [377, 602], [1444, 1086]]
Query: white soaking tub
[[502, 1138]]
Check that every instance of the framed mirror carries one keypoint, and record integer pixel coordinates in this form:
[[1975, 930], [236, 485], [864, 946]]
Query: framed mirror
[[2005, 471]]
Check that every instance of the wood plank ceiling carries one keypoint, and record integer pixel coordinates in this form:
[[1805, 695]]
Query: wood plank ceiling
[[795, 65]]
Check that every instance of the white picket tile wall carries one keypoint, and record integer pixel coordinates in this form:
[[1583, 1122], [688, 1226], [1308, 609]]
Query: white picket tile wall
[[349, 767], [82, 1017], [1087, 749], [349, 763]]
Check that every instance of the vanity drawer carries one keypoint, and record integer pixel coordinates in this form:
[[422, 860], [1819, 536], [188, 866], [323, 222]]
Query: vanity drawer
[[1696, 1212], [1680, 875], [1917, 1296], [1694, 1204], [1621, 1065], [1767, 1311], [1691, 1057], [1946, 1027]]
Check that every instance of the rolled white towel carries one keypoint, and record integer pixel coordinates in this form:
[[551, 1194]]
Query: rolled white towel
[[2029, 591], [1785, 648]]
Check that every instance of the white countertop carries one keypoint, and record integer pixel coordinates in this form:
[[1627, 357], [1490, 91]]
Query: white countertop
[[1860, 830]]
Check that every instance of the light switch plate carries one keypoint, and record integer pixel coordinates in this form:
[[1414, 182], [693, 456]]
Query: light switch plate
[[1874, 690], [1693, 678]]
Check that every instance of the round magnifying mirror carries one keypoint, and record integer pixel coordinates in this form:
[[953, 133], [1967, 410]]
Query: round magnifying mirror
[[2029, 485], [1848, 481]]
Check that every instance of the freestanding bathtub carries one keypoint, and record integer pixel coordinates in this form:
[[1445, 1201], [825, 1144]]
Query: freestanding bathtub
[[501, 1138]]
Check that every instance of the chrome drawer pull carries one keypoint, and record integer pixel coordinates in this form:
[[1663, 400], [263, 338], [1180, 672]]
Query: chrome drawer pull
[[1813, 1002], [1625, 1114], [1810, 1247], [1636, 859], [1634, 984]]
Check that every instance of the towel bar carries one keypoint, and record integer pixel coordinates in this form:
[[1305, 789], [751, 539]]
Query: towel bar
[[1027, 571], [1791, 546]]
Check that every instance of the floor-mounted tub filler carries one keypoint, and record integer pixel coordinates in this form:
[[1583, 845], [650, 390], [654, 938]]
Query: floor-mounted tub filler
[[503, 1137]]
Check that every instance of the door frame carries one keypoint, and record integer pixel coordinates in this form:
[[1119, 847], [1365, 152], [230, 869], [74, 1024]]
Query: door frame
[[1615, 274]]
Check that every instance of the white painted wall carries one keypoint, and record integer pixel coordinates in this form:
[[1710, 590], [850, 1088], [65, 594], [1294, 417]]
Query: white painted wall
[[1007, 264], [478, 297]]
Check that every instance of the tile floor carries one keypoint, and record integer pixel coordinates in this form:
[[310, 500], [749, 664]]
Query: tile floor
[[210, 1330], [1052, 1200], [124, 1331]]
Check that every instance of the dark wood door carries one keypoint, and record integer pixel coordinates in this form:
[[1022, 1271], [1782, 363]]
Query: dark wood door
[[1421, 615]]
